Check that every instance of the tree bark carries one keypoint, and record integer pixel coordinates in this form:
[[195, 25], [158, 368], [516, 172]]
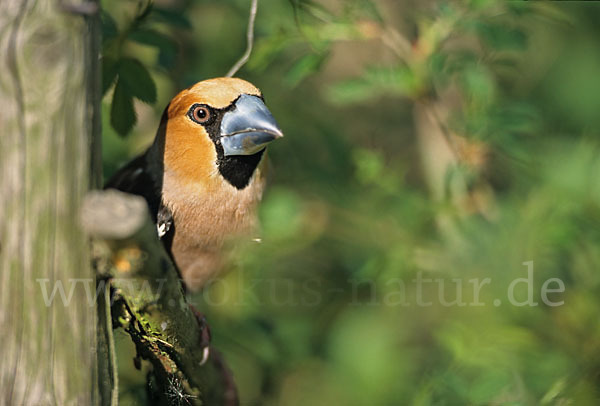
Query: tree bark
[[49, 121]]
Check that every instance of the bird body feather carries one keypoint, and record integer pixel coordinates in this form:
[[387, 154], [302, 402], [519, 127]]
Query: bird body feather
[[199, 196]]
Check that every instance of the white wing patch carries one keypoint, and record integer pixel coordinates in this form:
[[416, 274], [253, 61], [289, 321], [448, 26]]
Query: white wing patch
[[162, 229]]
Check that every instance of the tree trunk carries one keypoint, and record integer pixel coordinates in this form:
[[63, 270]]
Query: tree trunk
[[48, 147]]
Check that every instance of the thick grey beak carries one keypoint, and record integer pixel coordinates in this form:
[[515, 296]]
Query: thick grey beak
[[248, 128]]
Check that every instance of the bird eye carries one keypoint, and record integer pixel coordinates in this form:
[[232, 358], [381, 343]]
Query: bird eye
[[200, 114]]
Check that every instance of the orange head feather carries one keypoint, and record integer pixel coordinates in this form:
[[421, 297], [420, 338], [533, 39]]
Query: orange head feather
[[189, 152]]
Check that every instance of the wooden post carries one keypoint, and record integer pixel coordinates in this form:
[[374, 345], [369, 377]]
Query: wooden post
[[48, 145]]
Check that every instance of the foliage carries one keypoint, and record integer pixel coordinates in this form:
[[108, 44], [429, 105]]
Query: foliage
[[326, 309], [132, 78]]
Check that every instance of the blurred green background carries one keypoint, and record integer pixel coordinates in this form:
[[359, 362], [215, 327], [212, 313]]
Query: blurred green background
[[447, 141]]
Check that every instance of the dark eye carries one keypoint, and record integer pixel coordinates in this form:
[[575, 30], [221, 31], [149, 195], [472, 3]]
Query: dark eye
[[200, 114]]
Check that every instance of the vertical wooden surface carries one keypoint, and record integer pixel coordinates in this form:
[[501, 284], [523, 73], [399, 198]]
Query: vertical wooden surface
[[47, 351]]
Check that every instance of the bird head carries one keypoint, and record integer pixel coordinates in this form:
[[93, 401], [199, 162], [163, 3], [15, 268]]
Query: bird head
[[216, 131]]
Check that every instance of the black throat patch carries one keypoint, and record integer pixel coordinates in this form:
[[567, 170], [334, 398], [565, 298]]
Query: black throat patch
[[235, 169], [238, 169]]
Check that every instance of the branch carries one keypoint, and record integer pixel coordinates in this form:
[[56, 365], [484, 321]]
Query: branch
[[148, 303], [249, 41]]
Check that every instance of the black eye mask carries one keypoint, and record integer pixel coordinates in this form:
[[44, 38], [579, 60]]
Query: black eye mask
[[236, 169]]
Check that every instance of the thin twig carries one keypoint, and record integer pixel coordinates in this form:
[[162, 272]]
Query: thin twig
[[452, 145], [114, 398], [398, 43], [249, 41]]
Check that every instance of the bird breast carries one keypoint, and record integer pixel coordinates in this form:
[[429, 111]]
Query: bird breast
[[206, 216]]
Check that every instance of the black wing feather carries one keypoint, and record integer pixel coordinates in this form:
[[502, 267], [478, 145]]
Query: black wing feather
[[135, 178]]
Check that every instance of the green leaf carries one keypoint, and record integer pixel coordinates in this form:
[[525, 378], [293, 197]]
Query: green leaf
[[267, 49], [305, 66], [369, 165], [109, 72], [137, 79], [398, 81], [481, 4], [351, 91], [478, 83], [166, 59], [144, 12], [315, 10], [122, 113], [109, 26], [501, 37], [153, 38], [174, 18], [165, 44], [361, 9], [282, 214]]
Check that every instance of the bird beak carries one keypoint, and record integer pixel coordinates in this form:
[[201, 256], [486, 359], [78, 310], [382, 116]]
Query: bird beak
[[248, 128]]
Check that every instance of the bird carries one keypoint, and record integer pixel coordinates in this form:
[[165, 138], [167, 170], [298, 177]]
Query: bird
[[204, 175]]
